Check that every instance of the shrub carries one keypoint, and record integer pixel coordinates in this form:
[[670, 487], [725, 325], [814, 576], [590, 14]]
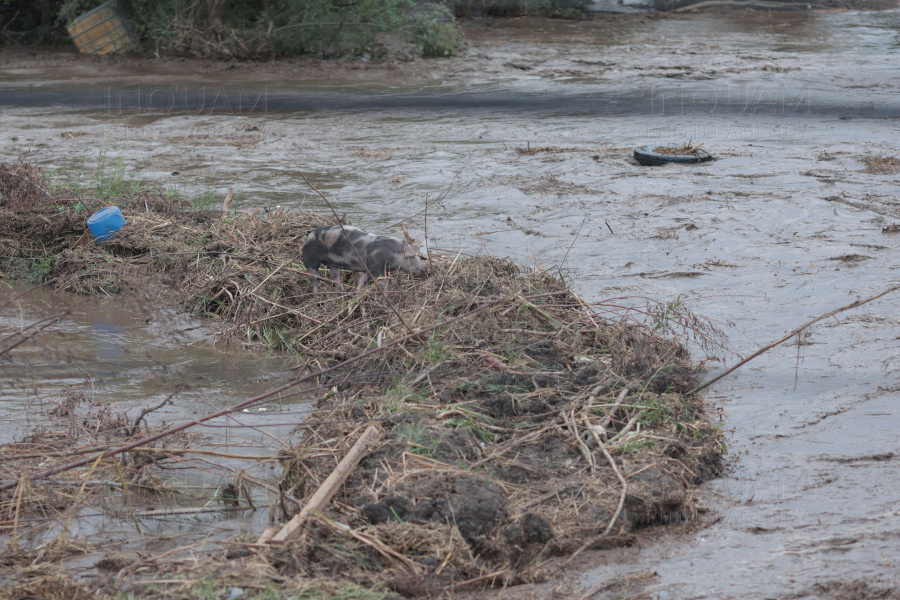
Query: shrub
[[251, 30]]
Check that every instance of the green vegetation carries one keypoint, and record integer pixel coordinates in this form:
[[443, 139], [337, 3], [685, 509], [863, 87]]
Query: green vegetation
[[40, 268], [261, 30], [207, 198], [398, 395], [416, 435], [670, 311], [109, 181], [437, 349], [210, 589]]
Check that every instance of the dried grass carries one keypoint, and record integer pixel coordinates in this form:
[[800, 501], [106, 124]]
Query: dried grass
[[538, 490], [688, 148], [529, 151], [74, 426], [881, 165], [51, 588], [515, 437]]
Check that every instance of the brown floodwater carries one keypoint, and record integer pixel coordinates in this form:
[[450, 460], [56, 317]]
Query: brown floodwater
[[784, 226], [130, 357]]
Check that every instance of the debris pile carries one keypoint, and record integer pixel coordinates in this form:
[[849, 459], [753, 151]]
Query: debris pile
[[518, 425]]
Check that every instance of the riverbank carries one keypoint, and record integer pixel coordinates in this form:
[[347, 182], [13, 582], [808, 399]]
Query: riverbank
[[500, 397]]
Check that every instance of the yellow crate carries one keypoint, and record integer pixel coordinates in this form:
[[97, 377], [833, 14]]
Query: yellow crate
[[104, 30]]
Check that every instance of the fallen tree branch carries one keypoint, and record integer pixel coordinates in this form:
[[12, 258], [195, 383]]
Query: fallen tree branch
[[227, 203], [146, 411], [856, 304], [327, 490], [54, 454], [615, 516], [35, 330]]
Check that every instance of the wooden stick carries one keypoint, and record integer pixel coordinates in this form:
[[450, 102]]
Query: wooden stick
[[573, 427], [328, 488], [493, 575], [599, 587], [627, 428], [612, 411], [171, 512], [792, 334], [227, 202], [267, 535]]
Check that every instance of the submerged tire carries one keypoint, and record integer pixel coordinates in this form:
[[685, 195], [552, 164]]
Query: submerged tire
[[648, 158]]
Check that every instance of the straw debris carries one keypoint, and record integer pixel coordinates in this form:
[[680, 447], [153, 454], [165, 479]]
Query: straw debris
[[51, 588], [521, 425], [688, 148], [881, 165], [529, 151]]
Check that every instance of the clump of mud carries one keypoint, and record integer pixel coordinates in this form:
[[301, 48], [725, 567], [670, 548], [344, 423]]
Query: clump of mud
[[501, 476]]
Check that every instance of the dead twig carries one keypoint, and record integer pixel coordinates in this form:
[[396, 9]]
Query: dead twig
[[227, 203], [147, 411], [615, 516], [781, 340]]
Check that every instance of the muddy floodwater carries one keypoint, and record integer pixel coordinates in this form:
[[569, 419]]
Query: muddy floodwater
[[532, 132], [106, 351]]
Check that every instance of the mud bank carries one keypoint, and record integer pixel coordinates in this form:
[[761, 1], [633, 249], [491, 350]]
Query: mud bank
[[501, 396]]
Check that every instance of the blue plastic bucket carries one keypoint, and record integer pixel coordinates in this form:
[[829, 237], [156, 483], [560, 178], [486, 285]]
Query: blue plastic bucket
[[105, 223]]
